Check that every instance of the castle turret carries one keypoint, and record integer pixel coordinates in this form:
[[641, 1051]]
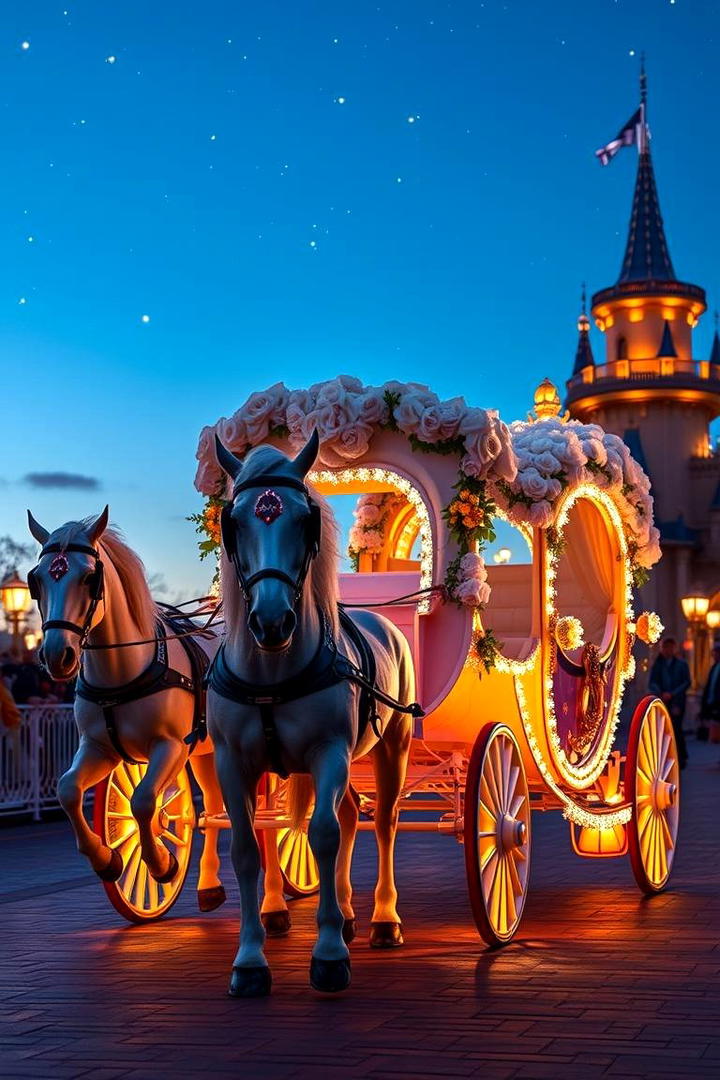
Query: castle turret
[[651, 389]]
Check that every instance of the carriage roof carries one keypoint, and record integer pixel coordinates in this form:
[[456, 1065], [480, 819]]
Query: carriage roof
[[438, 448]]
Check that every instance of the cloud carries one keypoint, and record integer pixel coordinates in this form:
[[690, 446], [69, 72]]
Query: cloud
[[62, 480]]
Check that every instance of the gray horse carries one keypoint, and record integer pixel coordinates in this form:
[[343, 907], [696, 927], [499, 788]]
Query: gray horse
[[278, 701]]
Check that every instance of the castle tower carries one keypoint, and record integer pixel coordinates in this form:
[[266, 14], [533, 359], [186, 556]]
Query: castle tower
[[653, 391]]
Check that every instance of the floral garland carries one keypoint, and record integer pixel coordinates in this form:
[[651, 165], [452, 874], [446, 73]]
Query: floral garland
[[346, 414], [553, 454]]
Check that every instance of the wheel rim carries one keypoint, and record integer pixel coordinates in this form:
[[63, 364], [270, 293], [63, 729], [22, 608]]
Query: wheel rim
[[136, 894], [502, 834], [656, 795]]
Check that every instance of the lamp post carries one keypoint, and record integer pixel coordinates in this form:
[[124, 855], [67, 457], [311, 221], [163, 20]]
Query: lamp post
[[502, 556], [15, 599], [695, 610]]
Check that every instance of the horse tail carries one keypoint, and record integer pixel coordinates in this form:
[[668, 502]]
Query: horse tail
[[300, 794]]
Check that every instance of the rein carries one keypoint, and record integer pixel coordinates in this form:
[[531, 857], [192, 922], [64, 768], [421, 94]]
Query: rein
[[97, 594]]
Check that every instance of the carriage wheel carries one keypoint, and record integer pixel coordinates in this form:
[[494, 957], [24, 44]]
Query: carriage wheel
[[136, 895], [652, 784], [297, 863], [497, 833]]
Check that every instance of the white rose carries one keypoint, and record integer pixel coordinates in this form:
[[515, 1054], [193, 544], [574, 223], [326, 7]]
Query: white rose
[[440, 422], [473, 593], [532, 484], [472, 565]]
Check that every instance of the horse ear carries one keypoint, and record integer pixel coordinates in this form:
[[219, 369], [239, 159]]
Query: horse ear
[[38, 531], [227, 460], [100, 525], [305, 460]]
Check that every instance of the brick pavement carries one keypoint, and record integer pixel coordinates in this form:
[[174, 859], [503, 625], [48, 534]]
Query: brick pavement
[[600, 982]]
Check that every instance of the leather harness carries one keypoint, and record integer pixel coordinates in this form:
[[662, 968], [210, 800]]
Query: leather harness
[[158, 676], [327, 668]]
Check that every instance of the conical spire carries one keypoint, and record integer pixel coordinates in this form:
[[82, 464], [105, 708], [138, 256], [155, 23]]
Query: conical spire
[[715, 351], [584, 354], [646, 254], [667, 345]]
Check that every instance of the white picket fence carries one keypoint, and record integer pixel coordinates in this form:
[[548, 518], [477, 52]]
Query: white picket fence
[[33, 756]]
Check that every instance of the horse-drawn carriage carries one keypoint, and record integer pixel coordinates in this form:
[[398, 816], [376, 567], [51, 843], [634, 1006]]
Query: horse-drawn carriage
[[521, 666]]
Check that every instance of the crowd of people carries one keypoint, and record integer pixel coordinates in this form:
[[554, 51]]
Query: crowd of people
[[24, 681]]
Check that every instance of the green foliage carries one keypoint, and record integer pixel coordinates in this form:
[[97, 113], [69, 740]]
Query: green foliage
[[487, 648]]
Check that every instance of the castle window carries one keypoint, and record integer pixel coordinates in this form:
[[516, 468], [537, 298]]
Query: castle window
[[621, 349]]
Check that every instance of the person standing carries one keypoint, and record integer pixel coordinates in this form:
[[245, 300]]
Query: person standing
[[670, 681], [710, 701]]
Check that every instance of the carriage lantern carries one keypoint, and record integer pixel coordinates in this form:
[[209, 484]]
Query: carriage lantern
[[695, 610], [15, 599]]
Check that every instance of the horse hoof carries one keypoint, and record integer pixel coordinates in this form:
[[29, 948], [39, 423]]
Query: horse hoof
[[385, 935], [250, 982], [114, 868], [276, 923], [349, 930], [170, 873], [329, 976], [209, 899]]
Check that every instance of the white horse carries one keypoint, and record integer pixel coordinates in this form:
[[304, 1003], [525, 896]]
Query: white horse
[[91, 590], [280, 699]]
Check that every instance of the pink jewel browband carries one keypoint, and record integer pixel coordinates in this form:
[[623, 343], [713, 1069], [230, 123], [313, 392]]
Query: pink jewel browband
[[269, 506]]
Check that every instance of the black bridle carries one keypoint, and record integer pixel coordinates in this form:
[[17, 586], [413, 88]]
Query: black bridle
[[96, 588], [312, 543]]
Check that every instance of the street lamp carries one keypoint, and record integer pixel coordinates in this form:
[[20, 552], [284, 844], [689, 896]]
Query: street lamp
[[503, 555], [15, 599], [695, 610], [713, 619]]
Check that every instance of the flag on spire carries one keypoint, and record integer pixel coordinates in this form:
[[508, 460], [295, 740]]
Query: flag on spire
[[631, 134], [635, 132]]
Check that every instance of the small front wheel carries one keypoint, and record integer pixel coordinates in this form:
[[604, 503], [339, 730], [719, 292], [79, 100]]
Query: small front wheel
[[652, 785], [497, 833], [136, 895], [298, 867]]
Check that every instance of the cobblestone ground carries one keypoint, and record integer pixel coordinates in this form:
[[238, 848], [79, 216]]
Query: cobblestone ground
[[600, 982]]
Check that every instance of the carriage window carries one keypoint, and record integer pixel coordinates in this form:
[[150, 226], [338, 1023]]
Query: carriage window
[[587, 571], [621, 349], [509, 613], [378, 532]]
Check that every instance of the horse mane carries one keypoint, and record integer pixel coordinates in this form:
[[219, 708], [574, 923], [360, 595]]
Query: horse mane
[[127, 565], [321, 583]]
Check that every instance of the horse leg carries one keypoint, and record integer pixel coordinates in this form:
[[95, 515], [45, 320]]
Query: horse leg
[[210, 891], [250, 974], [167, 757], [330, 964], [274, 911], [348, 815], [90, 765], [389, 758]]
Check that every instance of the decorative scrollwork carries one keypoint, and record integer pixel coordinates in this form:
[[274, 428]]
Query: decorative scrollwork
[[591, 701]]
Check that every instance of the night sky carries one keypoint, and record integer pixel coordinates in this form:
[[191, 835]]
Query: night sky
[[199, 199]]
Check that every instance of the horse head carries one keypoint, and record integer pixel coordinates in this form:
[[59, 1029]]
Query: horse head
[[271, 533], [67, 585]]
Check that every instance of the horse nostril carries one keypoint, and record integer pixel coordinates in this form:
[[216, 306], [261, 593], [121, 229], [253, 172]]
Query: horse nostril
[[68, 658], [287, 626], [255, 626]]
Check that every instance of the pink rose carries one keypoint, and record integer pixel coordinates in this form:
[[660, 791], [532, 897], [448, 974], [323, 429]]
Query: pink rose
[[233, 433], [351, 442], [473, 593], [440, 422], [472, 565], [532, 483], [540, 514], [261, 410], [372, 540], [372, 408], [368, 514]]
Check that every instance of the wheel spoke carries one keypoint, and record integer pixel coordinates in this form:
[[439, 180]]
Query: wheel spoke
[[139, 887], [178, 841]]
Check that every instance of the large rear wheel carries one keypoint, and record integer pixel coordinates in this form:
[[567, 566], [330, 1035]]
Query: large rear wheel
[[497, 833], [652, 785], [136, 895]]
